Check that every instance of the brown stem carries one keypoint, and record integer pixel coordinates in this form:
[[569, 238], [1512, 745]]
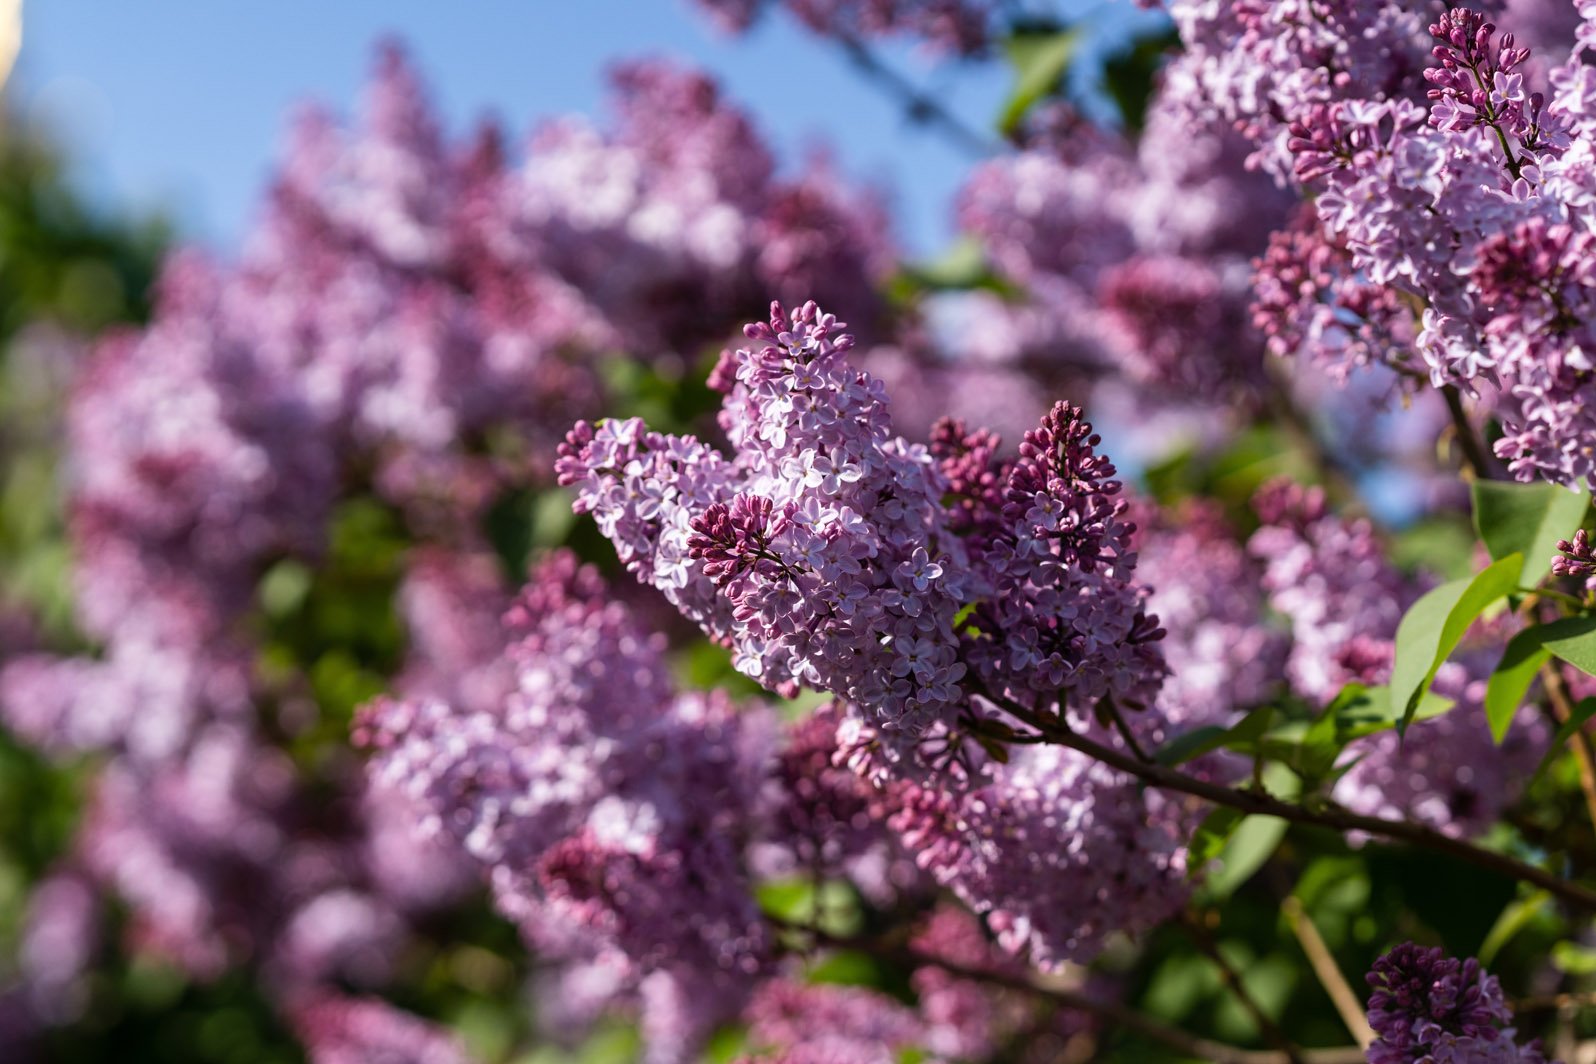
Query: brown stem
[[1332, 817], [1550, 1002], [1109, 1012], [1474, 453], [1324, 965], [1579, 742], [1209, 948], [920, 106]]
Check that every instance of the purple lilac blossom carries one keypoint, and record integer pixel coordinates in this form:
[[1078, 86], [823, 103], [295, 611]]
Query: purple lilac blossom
[[346, 1030], [823, 554], [1445, 209], [593, 796], [1426, 1006]]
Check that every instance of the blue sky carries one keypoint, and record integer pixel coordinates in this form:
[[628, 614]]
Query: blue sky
[[180, 105]]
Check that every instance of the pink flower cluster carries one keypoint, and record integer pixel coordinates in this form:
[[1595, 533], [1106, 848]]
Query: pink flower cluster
[[1451, 240], [823, 554]]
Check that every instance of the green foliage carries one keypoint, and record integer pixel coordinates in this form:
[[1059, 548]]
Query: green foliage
[[1578, 715], [1040, 58], [1572, 639], [1510, 680], [1130, 72], [963, 267], [1434, 625], [1528, 520]]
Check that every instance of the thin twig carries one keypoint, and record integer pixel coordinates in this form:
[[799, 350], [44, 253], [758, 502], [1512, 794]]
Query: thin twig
[[920, 105], [1333, 817], [1209, 948], [1118, 1015], [1474, 453], [1580, 742], [1551, 1002], [1329, 972]]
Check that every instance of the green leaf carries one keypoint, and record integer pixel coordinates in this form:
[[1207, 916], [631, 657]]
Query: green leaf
[[1358, 711], [1209, 840], [1574, 959], [1129, 75], [1039, 61], [1572, 639], [1505, 690], [1250, 844], [1514, 919], [1526, 519], [962, 267], [1580, 714], [1243, 735], [1432, 627]]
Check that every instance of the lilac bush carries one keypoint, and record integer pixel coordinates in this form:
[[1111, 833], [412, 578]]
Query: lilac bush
[[480, 650]]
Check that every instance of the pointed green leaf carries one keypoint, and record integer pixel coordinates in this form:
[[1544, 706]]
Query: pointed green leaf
[[1242, 735], [1505, 690], [1432, 627], [1359, 711], [1248, 847], [1526, 519], [1039, 61], [1572, 639]]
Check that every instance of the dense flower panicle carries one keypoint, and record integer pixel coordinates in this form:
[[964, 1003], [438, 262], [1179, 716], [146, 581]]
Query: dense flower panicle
[[825, 554], [225, 858], [1065, 625], [1330, 579], [1474, 213], [1476, 80], [825, 816], [343, 1030], [1309, 302], [1426, 1006], [965, 1018], [818, 552], [452, 605], [1163, 307], [592, 794], [1138, 254], [796, 1024], [60, 935], [1223, 656], [145, 698], [1254, 67], [674, 225], [1054, 849]]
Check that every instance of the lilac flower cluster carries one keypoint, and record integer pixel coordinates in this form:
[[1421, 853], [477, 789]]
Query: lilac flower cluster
[[816, 552], [1451, 240], [823, 554], [1255, 66], [1054, 849], [408, 321], [605, 809], [1135, 256], [1426, 1006], [370, 1031]]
